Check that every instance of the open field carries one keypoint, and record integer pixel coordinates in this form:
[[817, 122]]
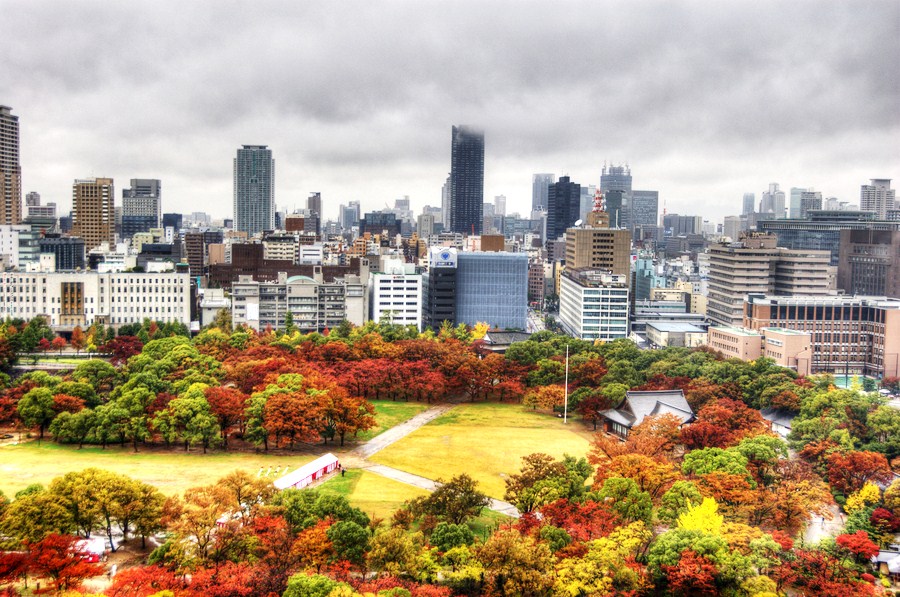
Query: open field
[[485, 440], [371, 493], [172, 472], [388, 414]]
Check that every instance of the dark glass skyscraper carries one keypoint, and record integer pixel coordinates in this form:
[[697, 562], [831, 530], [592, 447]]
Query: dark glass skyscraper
[[254, 189], [563, 207], [467, 180]]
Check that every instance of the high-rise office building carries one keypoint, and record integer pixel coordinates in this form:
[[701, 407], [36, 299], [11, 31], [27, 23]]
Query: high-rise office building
[[869, 262], [644, 208], [349, 215], [466, 180], [563, 207], [773, 202], [615, 178], [141, 206], [10, 169], [314, 203], [749, 203], [540, 184], [596, 246], [878, 197], [254, 189], [93, 212]]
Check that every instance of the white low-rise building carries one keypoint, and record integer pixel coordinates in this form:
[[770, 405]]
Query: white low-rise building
[[70, 299]]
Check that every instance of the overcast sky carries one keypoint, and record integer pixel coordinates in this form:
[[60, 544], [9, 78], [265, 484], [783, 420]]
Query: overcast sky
[[705, 100]]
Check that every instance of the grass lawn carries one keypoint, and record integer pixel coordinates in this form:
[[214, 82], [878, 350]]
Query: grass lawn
[[389, 414], [371, 493], [485, 440], [171, 472]]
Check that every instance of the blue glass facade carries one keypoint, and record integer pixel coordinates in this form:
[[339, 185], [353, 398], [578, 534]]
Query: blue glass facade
[[492, 288]]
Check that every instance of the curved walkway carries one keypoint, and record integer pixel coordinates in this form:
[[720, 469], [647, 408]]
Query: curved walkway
[[394, 434]]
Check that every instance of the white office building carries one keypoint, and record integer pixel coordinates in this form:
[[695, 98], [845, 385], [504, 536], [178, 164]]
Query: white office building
[[72, 299], [395, 294], [593, 304]]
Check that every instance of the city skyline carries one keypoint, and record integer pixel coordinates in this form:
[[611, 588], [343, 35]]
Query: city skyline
[[714, 103]]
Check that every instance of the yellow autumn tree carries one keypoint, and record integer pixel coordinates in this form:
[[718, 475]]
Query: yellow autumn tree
[[867, 495], [704, 517], [479, 331]]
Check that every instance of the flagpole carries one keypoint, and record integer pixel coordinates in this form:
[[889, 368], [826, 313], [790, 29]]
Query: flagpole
[[566, 402]]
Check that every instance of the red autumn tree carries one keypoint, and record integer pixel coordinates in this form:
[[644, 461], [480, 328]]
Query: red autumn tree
[[58, 343], [693, 575], [78, 340], [849, 471], [122, 348], [582, 521], [13, 566], [228, 579], [227, 404], [312, 547], [859, 545], [722, 423], [59, 558], [66, 403], [589, 373], [143, 581]]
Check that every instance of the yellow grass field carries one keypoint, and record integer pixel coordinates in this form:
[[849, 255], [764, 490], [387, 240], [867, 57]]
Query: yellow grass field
[[485, 440], [172, 472], [373, 494]]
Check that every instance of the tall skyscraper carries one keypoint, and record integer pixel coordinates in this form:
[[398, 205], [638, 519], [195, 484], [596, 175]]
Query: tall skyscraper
[[878, 197], [809, 200], [10, 168], [93, 212], [467, 180], [349, 215], [141, 206], [749, 203], [563, 207], [644, 208], [254, 189], [615, 178], [540, 183]]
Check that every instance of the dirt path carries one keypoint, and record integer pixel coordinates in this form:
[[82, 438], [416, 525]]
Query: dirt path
[[382, 441], [819, 528]]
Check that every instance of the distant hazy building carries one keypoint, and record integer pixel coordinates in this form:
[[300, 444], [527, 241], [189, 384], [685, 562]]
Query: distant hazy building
[[749, 203], [878, 197], [10, 168], [563, 207], [810, 200], [466, 180], [615, 178], [254, 189], [93, 212], [773, 202], [500, 205], [644, 208], [540, 184], [349, 215]]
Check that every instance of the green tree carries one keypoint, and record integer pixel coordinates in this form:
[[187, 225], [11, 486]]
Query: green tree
[[311, 585], [677, 499], [36, 409], [350, 541], [446, 536], [74, 427], [626, 499], [709, 460], [455, 500], [33, 516]]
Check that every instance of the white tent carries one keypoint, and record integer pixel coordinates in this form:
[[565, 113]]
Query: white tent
[[308, 473]]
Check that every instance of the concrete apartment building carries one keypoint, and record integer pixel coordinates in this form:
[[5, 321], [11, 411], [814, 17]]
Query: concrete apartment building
[[314, 303], [859, 335], [70, 299], [756, 265], [10, 169]]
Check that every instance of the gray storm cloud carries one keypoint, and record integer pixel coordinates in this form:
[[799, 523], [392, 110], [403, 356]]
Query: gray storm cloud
[[356, 99]]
